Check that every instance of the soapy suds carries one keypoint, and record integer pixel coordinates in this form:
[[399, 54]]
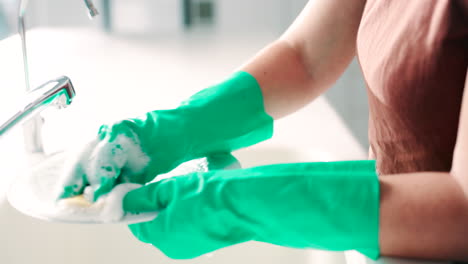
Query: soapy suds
[[121, 158], [34, 194], [107, 209]]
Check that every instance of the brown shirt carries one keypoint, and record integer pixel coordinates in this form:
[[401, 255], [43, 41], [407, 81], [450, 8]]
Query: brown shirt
[[414, 57]]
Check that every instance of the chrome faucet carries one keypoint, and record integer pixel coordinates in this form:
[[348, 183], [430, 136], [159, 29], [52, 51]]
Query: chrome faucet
[[58, 92]]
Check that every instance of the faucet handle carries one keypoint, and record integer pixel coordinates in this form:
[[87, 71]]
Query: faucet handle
[[91, 8]]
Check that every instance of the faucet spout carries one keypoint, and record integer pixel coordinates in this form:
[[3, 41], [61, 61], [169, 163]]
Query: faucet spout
[[58, 92]]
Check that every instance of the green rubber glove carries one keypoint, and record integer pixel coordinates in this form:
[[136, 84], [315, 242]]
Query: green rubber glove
[[325, 205], [222, 118]]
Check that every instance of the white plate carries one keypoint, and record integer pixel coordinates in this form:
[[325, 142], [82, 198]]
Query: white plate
[[32, 192]]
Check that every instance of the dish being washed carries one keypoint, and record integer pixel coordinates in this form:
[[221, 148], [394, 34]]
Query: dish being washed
[[32, 193]]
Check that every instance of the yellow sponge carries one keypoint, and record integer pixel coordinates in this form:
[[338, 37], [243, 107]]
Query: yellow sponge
[[76, 201]]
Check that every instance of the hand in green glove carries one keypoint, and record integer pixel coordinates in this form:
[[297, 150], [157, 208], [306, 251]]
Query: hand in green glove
[[222, 118], [332, 206]]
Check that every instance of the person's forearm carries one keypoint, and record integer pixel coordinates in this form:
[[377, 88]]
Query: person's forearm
[[286, 83], [423, 215], [309, 57]]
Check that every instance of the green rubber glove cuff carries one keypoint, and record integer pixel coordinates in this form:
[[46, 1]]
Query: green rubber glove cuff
[[222, 118], [326, 205]]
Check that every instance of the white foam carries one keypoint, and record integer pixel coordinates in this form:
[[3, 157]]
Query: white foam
[[103, 159], [107, 209], [32, 194], [123, 152]]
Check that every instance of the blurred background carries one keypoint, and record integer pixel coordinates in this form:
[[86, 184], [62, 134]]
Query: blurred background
[[141, 55], [157, 19]]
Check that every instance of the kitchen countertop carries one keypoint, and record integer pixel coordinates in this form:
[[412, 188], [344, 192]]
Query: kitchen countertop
[[118, 77]]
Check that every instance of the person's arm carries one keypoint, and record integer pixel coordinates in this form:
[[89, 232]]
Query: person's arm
[[460, 159], [309, 57], [425, 215]]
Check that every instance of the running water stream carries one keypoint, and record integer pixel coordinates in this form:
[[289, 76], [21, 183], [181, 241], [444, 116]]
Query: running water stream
[[22, 34]]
